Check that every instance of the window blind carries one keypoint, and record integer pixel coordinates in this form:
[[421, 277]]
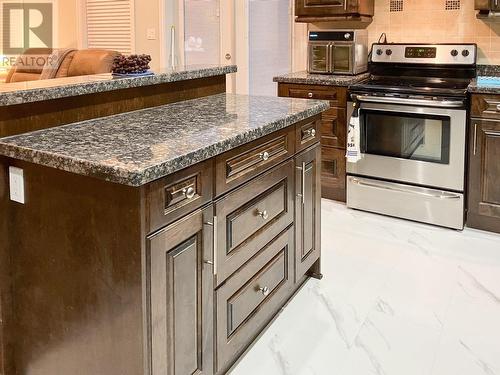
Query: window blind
[[110, 25]]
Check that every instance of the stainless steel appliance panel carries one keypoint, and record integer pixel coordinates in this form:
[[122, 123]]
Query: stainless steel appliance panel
[[435, 161], [405, 201]]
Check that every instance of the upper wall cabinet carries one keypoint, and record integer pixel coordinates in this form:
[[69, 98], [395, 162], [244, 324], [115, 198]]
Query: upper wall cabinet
[[333, 10]]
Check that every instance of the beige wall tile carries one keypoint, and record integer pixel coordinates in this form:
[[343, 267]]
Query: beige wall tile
[[427, 21]]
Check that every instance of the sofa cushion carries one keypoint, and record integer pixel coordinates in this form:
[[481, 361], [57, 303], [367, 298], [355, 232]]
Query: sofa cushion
[[91, 61]]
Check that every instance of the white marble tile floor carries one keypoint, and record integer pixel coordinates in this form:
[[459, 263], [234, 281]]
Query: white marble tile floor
[[397, 298]]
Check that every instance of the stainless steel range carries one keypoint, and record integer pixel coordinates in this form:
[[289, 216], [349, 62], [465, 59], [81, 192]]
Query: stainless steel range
[[413, 116]]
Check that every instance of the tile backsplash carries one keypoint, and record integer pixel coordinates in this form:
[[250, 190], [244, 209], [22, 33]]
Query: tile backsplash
[[437, 21]]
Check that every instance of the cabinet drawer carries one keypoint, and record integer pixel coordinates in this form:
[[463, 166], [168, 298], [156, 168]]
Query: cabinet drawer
[[172, 197], [240, 165], [307, 133], [486, 106], [333, 173], [334, 128], [336, 95], [250, 217], [251, 297]]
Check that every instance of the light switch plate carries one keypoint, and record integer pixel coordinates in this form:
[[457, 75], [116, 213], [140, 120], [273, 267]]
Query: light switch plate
[[16, 184], [151, 34]]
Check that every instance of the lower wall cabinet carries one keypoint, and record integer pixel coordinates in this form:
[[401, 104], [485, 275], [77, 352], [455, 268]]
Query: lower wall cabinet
[[307, 210], [218, 276], [181, 295], [484, 175], [333, 129]]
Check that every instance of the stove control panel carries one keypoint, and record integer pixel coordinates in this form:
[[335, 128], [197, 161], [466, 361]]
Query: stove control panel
[[440, 54]]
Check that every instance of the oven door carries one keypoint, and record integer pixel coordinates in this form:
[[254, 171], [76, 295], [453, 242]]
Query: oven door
[[416, 145], [320, 57]]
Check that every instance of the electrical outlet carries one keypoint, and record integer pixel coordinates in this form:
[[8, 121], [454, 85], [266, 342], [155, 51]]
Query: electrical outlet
[[151, 34], [16, 184]]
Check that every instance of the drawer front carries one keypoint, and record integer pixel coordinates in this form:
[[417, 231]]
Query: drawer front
[[486, 106], [307, 133], [333, 173], [250, 217], [336, 95], [334, 128], [251, 297], [240, 165], [172, 197]]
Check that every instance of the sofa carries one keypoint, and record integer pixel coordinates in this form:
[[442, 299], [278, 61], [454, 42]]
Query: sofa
[[33, 64]]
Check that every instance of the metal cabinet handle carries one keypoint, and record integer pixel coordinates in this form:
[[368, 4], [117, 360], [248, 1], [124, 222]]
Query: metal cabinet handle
[[264, 155], [498, 107], [214, 262], [475, 139], [310, 133], [302, 193], [265, 291], [263, 214], [310, 95], [189, 192]]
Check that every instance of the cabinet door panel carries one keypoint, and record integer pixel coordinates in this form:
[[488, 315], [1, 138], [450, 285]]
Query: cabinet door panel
[[484, 176], [308, 210], [334, 128], [333, 8], [333, 173], [181, 284]]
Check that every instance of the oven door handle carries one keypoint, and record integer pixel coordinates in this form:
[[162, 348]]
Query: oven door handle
[[421, 102], [402, 190]]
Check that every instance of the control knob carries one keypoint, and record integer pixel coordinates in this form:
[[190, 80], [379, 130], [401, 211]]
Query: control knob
[[388, 52], [347, 36], [454, 53], [465, 53], [380, 52]]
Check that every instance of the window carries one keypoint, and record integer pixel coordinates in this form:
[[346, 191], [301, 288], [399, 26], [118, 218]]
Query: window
[[109, 24]]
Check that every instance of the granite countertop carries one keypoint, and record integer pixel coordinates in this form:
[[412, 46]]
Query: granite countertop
[[320, 79], [34, 91], [485, 71], [138, 147]]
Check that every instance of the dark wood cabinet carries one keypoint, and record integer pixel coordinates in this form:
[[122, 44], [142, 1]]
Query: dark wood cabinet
[[177, 276], [484, 175], [316, 10], [307, 210], [180, 281], [333, 131]]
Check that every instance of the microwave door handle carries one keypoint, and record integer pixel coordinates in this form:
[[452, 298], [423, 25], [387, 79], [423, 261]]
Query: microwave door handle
[[330, 58]]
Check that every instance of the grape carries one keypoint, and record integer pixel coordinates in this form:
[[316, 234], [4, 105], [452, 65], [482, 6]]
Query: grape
[[132, 64]]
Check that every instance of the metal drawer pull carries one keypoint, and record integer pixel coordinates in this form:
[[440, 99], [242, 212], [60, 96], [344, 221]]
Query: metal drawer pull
[[264, 155], [310, 133], [265, 291], [189, 192], [475, 138], [439, 196], [209, 262], [310, 95], [263, 214]]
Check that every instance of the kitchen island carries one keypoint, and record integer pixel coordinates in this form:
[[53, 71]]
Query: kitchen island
[[159, 241]]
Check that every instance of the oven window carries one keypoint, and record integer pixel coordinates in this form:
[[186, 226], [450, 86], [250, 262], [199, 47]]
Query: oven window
[[406, 136]]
